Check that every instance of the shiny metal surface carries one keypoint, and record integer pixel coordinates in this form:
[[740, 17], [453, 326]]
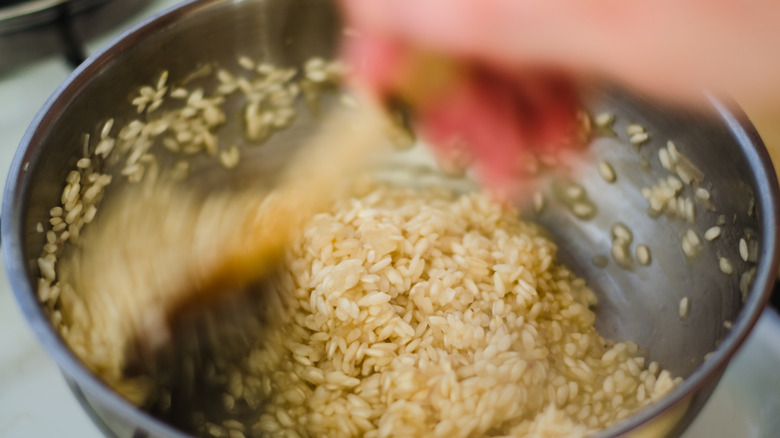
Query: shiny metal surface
[[641, 303], [638, 304]]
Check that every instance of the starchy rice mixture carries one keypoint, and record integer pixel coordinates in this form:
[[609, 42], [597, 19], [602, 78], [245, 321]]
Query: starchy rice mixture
[[424, 313], [400, 312]]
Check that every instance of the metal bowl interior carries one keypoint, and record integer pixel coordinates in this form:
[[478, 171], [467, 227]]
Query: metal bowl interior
[[639, 304]]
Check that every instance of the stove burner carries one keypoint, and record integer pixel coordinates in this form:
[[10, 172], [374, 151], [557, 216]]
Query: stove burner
[[16, 15], [37, 30]]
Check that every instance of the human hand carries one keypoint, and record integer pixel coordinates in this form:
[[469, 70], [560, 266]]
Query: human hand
[[471, 112], [669, 49]]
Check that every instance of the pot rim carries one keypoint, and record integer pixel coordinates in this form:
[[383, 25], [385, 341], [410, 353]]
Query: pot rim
[[24, 287], [766, 274], [11, 228]]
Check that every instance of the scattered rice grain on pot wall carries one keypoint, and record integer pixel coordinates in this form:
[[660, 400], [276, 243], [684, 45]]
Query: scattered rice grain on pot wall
[[412, 314], [425, 314]]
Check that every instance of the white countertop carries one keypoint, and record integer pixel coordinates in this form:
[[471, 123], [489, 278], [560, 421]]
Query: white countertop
[[36, 402]]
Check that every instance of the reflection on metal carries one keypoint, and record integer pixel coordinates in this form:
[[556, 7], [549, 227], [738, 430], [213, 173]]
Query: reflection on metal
[[16, 15], [664, 423]]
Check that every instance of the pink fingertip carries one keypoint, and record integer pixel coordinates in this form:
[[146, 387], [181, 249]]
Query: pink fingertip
[[375, 63]]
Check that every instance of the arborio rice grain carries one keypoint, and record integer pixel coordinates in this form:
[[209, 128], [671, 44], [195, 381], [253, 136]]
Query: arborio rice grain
[[426, 314], [408, 313]]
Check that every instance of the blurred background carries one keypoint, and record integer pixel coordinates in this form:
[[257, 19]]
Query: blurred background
[[42, 41]]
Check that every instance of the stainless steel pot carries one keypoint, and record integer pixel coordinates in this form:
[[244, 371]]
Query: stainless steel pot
[[638, 304]]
